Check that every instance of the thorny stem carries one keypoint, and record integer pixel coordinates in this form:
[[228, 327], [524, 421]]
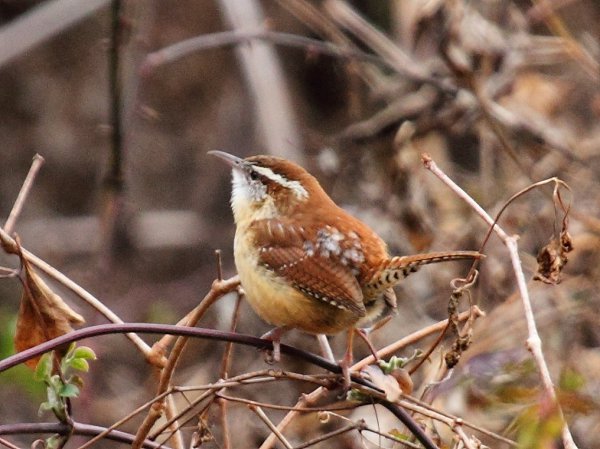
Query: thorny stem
[[534, 343]]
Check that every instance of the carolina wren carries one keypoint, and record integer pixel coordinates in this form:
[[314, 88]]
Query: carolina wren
[[303, 261]]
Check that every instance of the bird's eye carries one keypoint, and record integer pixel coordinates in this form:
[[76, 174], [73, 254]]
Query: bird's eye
[[253, 175]]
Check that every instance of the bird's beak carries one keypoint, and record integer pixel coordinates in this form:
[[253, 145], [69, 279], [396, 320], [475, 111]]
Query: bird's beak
[[229, 159]]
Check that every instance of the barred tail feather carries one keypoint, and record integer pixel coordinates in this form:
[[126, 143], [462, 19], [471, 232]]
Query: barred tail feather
[[394, 270]]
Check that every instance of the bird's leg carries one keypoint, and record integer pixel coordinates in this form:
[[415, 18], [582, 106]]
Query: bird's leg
[[346, 362], [274, 335], [364, 334]]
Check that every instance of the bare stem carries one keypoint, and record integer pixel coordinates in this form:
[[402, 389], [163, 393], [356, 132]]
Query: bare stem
[[382, 353], [36, 164], [534, 343], [218, 289], [270, 425]]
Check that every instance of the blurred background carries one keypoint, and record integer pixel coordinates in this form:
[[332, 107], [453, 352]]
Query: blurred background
[[500, 93]]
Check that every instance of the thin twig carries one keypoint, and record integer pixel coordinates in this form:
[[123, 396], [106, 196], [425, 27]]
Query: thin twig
[[207, 394], [219, 264], [412, 338], [270, 425], [219, 288], [463, 436], [121, 421], [406, 443], [170, 414], [285, 407], [425, 406], [8, 444], [382, 353], [36, 165], [332, 434], [226, 362], [534, 342], [186, 47]]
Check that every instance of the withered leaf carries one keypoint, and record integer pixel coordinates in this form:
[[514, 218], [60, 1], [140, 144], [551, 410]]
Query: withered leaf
[[43, 315], [552, 258], [393, 384]]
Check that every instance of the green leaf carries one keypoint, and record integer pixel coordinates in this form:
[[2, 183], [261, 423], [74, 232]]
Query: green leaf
[[43, 370], [80, 364], [83, 352], [44, 407], [398, 362], [68, 391], [55, 441]]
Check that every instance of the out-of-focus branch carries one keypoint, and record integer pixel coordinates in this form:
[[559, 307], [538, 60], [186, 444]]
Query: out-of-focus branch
[[265, 80], [402, 62], [183, 48], [41, 23]]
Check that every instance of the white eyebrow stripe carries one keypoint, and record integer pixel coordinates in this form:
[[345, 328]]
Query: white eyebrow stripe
[[294, 186]]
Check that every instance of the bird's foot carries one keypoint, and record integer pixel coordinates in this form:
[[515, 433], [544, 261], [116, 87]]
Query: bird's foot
[[274, 336]]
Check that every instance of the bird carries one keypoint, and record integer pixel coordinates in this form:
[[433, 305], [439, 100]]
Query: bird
[[303, 261]]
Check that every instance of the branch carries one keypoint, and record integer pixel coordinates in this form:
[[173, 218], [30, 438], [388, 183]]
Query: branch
[[77, 429], [275, 116], [41, 23], [534, 343], [382, 353], [219, 288], [37, 163], [210, 334]]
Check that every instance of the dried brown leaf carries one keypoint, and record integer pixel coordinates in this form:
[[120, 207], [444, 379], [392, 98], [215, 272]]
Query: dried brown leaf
[[394, 384], [43, 315], [552, 258]]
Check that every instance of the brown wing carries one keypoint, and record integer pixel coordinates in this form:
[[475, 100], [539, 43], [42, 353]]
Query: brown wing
[[292, 252]]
